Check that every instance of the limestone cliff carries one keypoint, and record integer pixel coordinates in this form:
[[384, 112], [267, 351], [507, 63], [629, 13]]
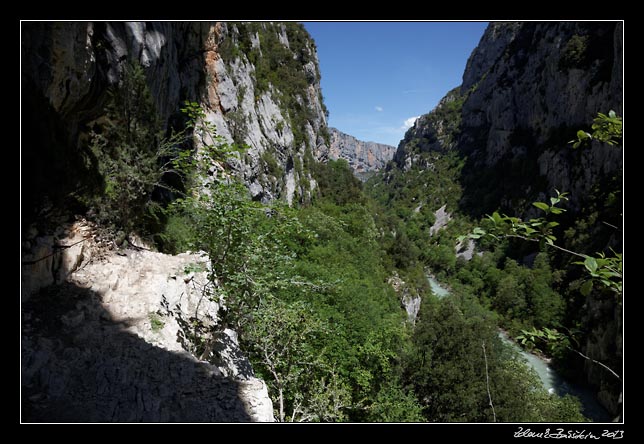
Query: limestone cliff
[[363, 157], [432, 132], [263, 90], [550, 80], [527, 89], [258, 82]]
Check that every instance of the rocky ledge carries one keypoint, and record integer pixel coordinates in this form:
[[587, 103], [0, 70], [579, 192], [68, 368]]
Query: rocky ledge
[[103, 343]]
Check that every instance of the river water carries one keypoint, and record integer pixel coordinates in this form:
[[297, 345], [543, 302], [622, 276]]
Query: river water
[[550, 379]]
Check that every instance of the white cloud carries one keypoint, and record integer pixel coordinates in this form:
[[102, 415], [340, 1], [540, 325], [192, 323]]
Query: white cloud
[[409, 122], [379, 109]]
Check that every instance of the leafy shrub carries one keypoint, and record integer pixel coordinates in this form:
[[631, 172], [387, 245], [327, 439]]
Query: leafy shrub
[[127, 147], [270, 163]]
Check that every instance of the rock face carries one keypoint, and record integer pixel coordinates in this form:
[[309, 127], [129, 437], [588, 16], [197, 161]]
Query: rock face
[[410, 302], [442, 218], [433, 132], [228, 68], [494, 43], [362, 156], [264, 92], [527, 89], [105, 345], [51, 258], [549, 81], [66, 73]]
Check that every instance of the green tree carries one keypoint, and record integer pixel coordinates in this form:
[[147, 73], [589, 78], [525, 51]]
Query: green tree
[[395, 404], [338, 183], [282, 340], [520, 396], [461, 371], [510, 299], [447, 368], [127, 147]]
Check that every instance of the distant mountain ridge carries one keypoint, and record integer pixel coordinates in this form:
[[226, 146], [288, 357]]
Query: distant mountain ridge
[[363, 157]]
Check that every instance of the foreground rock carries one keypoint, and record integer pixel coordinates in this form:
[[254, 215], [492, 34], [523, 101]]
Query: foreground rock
[[104, 345]]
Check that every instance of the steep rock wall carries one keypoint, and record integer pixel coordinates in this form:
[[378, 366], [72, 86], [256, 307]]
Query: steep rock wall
[[68, 67], [265, 93], [550, 80], [527, 88], [362, 156], [435, 131]]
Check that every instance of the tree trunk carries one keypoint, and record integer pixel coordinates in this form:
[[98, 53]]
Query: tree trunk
[[281, 406]]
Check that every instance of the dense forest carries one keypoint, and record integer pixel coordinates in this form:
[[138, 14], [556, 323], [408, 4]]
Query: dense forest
[[308, 281]]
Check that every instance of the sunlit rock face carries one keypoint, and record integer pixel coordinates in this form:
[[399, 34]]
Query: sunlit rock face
[[363, 157]]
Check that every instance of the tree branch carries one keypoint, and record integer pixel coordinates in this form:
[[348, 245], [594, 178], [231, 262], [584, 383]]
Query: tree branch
[[611, 225], [596, 362], [518, 236], [55, 249], [273, 371], [487, 382]]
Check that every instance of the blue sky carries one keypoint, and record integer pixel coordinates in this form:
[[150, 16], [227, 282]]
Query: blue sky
[[378, 76]]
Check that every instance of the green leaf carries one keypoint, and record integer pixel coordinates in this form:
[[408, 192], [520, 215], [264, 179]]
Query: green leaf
[[496, 218], [582, 135], [612, 114], [542, 206], [591, 264], [586, 287]]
